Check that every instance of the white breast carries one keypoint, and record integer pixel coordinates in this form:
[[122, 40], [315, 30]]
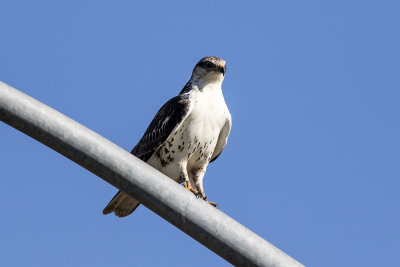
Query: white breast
[[193, 144], [205, 123], [209, 112]]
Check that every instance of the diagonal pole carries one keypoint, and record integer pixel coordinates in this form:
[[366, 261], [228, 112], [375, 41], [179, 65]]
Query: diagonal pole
[[208, 225]]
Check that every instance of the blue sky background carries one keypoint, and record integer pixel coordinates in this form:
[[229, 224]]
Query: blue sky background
[[313, 160]]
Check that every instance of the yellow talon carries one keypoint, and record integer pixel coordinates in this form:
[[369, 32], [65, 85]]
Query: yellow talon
[[189, 187], [212, 203]]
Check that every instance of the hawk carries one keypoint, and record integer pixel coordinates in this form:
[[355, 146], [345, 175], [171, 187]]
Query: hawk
[[187, 133]]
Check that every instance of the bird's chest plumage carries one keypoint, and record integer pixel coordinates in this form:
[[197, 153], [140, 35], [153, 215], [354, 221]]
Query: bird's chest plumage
[[193, 143], [204, 125]]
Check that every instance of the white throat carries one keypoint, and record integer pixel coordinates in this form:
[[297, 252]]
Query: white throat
[[211, 81]]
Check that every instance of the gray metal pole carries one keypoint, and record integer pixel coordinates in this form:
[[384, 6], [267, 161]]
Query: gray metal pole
[[206, 224]]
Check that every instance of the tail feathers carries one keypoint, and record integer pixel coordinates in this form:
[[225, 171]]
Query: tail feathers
[[122, 205]]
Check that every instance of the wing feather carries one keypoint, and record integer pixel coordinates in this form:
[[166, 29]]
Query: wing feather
[[166, 121]]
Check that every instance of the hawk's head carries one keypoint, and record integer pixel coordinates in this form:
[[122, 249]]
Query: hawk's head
[[210, 68]]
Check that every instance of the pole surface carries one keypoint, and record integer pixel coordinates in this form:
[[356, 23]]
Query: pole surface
[[208, 225]]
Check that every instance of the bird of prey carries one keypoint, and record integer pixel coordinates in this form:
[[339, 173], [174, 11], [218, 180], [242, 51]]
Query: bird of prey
[[187, 133]]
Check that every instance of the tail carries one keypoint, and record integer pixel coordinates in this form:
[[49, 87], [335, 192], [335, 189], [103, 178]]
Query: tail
[[122, 205]]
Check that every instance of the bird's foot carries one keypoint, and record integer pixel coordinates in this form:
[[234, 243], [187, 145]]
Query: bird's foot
[[190, 188], [212, 203], [209, 202], [201, 195]]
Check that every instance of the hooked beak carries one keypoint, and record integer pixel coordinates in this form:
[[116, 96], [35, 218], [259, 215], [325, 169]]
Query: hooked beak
[[222, 69]]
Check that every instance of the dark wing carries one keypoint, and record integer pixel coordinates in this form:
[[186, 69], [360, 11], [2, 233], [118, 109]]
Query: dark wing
[[168, 118]]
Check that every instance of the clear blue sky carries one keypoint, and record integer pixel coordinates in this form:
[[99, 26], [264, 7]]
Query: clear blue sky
[[313, 160]]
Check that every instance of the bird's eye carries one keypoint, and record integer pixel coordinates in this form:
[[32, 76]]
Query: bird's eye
[[206, 65]]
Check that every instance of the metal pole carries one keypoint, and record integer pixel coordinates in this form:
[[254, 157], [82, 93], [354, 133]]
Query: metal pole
[[206, 224]]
